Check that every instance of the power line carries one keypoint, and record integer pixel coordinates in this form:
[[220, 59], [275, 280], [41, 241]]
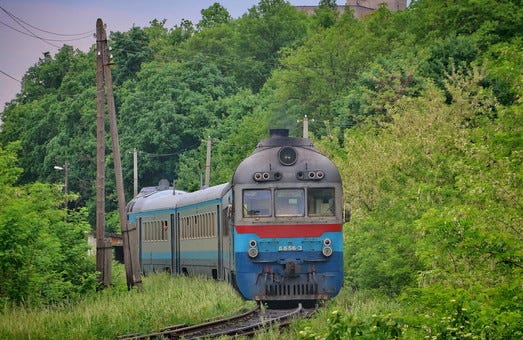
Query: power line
[[10, 76], [30, 33], [149, 154], [42, 30]]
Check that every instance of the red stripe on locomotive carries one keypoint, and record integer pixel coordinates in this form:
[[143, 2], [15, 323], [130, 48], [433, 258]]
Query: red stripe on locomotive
[[288, 230]]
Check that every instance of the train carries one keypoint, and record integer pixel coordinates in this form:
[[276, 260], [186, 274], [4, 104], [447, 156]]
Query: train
[[274, 231]]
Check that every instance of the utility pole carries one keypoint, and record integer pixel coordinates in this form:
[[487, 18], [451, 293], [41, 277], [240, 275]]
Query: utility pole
[[305, 127], [208, 163], [103, 254], [129, 236], [135, 172]]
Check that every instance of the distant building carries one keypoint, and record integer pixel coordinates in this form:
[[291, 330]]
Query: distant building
[[361, 7], [116, 243]]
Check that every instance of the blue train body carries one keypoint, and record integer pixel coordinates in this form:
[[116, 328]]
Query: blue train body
[[274, 231]]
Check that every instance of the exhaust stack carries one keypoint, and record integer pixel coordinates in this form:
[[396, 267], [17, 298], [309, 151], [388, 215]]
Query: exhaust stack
[[279, 133]]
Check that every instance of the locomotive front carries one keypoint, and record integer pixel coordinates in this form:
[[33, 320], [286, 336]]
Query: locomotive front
[[288, 220]]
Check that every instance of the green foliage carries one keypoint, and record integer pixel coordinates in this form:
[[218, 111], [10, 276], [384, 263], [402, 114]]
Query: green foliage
[[435, 192], [56, 128], [326, 14], [214, 15], [165, 112], [242, 113], [452, 54], [129, 49], [328, 77], [47, 75], [503, 60], [343, 325], [444, 313], [43, 257], [491, 20], [263, 32]]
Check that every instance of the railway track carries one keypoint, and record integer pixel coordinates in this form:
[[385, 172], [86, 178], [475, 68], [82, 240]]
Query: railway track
[[247, 323]]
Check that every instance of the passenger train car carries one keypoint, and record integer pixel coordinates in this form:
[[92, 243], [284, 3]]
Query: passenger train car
[[274, 231]]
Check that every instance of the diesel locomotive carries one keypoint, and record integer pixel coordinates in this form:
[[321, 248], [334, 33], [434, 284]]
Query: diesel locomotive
[[274, 231]]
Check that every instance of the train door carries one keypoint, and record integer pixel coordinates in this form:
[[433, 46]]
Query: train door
[[140, 244], [226, 236], [175, 242], [220, 244]]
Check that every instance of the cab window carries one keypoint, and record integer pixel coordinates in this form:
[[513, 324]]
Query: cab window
[[289, 202], [257, 203], [321, 202]]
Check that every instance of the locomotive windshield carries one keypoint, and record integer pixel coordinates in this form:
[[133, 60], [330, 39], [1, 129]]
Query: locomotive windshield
[[257, 203], [321, 202], [289, 202]]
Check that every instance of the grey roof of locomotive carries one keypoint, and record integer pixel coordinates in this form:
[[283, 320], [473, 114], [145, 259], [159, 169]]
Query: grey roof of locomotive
[[265, 158]]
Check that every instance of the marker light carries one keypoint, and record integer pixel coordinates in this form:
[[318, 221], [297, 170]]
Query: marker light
[[326, 251], [253, 252]]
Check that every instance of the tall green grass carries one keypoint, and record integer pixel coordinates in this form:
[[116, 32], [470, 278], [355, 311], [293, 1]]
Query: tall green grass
[[163, 301]]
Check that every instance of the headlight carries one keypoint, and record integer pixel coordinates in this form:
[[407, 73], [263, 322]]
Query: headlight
[[326, 251], [253, 252]]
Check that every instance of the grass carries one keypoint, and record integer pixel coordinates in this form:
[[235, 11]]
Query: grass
[[163, 301]]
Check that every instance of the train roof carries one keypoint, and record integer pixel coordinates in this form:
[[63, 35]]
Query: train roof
[[151, 198], [266, 159], [165, 199], [207, 194]]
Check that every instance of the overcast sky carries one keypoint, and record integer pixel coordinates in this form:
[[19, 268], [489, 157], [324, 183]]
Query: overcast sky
[[21, 49]]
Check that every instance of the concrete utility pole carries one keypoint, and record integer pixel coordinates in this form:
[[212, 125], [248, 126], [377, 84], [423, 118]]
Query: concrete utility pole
[[103, 253], [135, 172], [129, 236], [305, 127], [208, 163]]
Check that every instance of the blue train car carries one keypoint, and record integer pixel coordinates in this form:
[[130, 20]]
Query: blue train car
[[274, 231]]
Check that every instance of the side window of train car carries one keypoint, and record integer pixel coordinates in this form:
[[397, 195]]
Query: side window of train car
[[289, 202], [320, 202], [257, 203]]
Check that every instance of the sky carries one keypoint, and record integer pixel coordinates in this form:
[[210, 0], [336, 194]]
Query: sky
[[22, 20]]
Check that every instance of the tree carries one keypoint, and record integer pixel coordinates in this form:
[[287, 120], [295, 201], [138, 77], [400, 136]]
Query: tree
[[217, 43], [263, 32], [46, 76], [243, 123], [43, 258], [489, 21], [212, 16], [326, 14], [129, 49], [165, 112]]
